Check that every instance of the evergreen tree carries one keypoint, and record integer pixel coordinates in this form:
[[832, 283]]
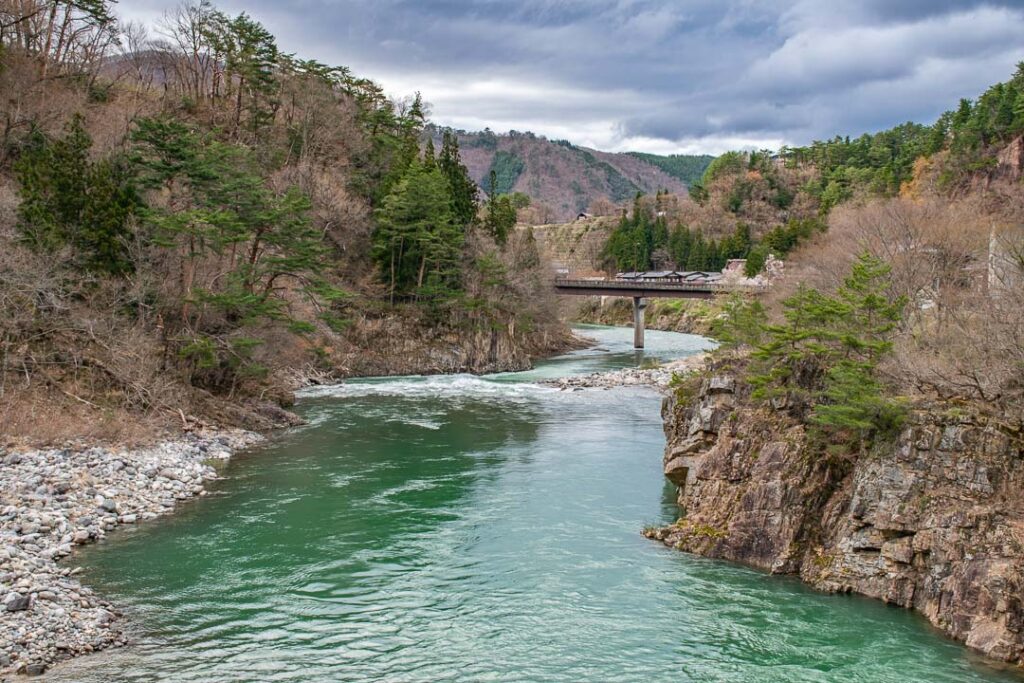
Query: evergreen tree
[[217, 205], [825, 355], [698, 257], [679, 245], [417, 242], [69, 200], [429, 155], [500, 218], [251, 61], [463, 189], [756, 259]]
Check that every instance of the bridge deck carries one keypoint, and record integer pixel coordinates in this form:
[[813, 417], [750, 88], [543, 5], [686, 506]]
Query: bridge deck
[[648, 289]]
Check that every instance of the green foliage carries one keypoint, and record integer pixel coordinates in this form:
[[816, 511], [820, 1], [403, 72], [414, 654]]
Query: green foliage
[[757, 257], [500, 218], [877, 163], [417, 241], [741, 323], [486, 139], [880, 163], [855, 401], [68, 200], [505, 170], [393, 135], [688, 168], [690, 250], [620, 188], [729, 163], [633, 242], [520, 200], [976, 128], [463, 189], [823, 357], [214, 206], [251, 64]]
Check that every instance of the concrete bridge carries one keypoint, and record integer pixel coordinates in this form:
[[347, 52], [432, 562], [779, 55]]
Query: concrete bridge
[[640, 290]]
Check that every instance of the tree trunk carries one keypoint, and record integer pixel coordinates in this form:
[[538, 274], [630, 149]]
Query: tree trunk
[[238, 105], [50, 25]]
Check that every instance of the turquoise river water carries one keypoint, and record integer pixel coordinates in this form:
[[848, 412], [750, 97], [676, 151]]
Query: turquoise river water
[[475, 529]]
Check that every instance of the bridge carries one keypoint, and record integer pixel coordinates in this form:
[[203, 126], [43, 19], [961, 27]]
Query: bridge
[[642, 289]]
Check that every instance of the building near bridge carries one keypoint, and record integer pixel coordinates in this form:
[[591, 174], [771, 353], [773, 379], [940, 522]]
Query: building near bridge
[[681, 276]]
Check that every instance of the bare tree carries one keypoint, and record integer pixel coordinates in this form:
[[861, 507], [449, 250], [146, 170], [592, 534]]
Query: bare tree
[[64, 36]]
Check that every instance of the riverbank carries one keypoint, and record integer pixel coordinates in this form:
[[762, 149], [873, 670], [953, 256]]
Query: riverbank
[[384, 347], [56, 499], [415, 508], [687, 316], [53, 499]]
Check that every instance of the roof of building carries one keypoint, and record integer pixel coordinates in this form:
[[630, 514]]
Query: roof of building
[[688, 275]]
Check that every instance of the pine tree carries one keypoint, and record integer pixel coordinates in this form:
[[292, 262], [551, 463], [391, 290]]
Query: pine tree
[[680, 243], [68, 200], [216, 205], [698, 256], [824, 356], [429, 155], [463, 189], [252, 57], [500, 218], [417, 243]]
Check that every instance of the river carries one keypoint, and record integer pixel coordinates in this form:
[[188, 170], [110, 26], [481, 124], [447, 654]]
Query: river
[[475, 529]]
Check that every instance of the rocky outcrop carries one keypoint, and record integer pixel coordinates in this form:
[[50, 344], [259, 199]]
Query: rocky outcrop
[[933, 520], [1010, 160], [393, 345]]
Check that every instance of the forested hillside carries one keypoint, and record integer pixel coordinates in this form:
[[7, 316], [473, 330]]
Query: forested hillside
[[686, 167], [562, 179], [904, 276], [194, 221], [750, 204]]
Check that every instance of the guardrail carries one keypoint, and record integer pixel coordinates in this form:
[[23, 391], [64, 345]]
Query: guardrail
[[655, 285]]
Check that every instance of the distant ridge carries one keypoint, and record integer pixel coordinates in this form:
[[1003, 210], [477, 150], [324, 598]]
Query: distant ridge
[[563, 179]]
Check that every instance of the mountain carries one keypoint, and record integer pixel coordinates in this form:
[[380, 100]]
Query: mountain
[[563, 179]]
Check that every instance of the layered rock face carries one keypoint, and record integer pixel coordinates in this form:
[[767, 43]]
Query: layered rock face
[[933, 520]]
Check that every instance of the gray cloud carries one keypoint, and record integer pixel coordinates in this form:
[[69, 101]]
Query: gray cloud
[[661, 75]]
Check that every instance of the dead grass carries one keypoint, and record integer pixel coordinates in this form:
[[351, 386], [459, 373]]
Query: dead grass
[[45, 418]]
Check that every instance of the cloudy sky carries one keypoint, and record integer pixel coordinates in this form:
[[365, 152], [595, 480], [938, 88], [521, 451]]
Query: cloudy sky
[[659, 75]]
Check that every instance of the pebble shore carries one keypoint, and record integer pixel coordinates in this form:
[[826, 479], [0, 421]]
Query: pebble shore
[[53, 500], [659, 377]]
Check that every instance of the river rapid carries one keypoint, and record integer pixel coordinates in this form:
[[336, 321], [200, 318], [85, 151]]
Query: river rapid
[[475, 529]]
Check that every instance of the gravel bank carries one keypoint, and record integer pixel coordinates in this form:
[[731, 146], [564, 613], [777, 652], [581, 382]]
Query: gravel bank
[[51, 501], [659, 377]]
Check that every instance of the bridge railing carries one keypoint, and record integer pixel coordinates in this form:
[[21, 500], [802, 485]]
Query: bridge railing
[[572, 283]]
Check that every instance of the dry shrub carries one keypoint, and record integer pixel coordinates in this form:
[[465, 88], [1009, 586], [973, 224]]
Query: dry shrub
[[342, 216], [963, 331], [27, 101], [936, 248], [32, 417]]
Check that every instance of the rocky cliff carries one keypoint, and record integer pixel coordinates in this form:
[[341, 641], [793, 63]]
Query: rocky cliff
[[932, 520], [575, 246], [392, 345]]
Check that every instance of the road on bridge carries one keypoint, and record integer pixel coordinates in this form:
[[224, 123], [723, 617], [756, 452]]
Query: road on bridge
[[641, 290]]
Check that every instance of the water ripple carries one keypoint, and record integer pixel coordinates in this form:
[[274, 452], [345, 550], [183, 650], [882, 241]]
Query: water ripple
[[475, 529]]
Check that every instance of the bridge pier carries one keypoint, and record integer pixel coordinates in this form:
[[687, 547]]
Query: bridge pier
[[639, 304]]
